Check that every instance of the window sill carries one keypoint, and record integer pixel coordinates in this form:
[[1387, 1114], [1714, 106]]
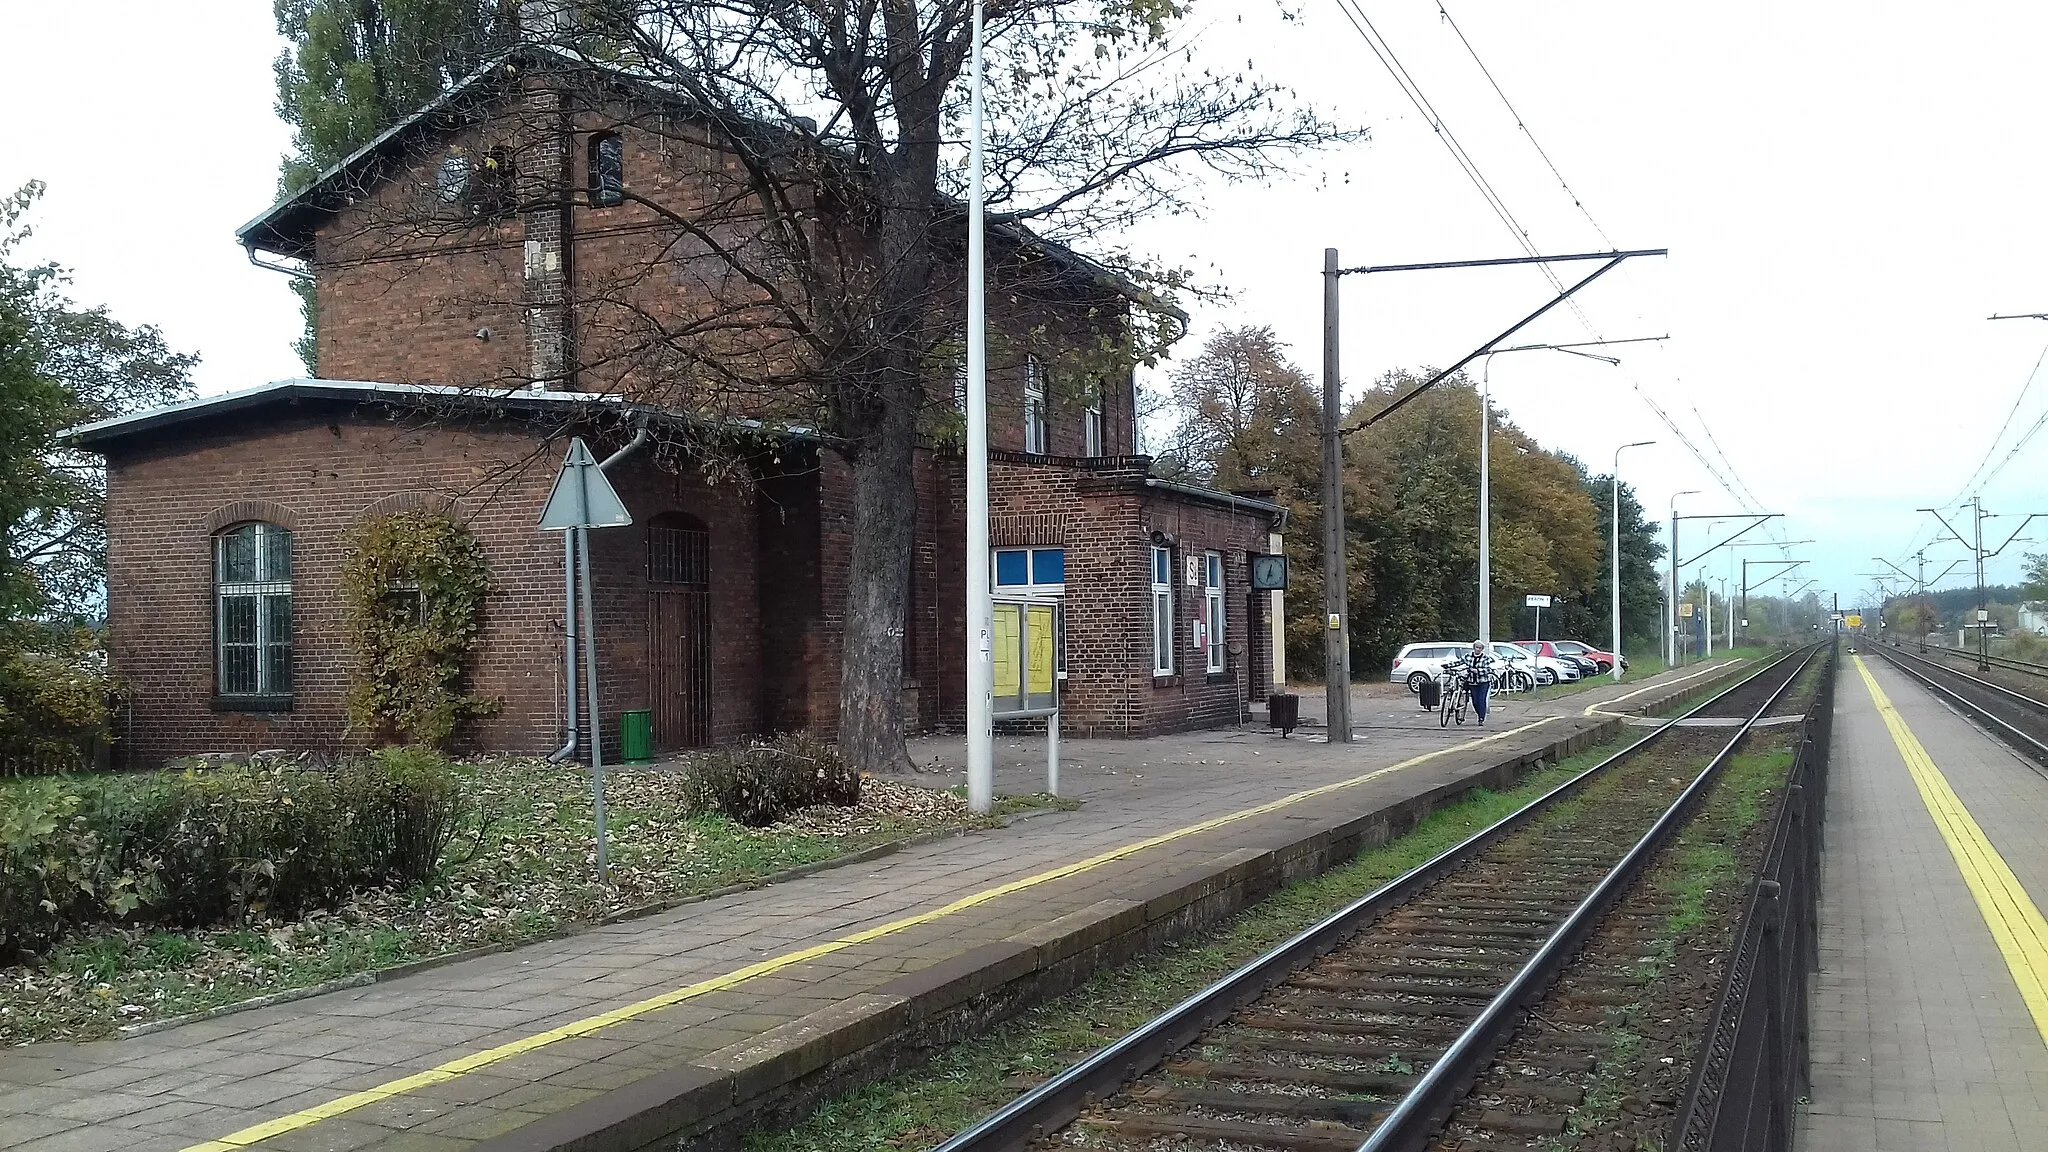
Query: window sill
[[252, 703], [1219, 678], [1159, 681]]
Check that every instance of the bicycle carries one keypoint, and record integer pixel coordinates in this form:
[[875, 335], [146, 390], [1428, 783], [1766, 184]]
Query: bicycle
[[1455, 698]]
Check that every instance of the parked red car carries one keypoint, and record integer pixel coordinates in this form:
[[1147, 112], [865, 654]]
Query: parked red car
[[1565, 649]]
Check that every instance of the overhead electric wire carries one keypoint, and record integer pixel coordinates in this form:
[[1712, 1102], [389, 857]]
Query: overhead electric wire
[[1991, 449], [1523, 125], [1412, 89]]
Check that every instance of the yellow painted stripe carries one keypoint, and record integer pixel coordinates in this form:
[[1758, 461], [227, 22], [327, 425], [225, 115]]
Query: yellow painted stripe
[[1596, 707], [2015, 922], [584, 1027]]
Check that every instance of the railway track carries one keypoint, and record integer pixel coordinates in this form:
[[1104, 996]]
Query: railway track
[[2003, 663], [1366, 1030], [2015, 717]]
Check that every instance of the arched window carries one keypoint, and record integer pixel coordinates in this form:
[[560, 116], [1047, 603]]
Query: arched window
[[252, 582], [607, 170]]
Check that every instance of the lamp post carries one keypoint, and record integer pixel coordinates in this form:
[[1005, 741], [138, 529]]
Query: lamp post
[[1671, 609], [1614, 574], [1486, 468], [980, 611]]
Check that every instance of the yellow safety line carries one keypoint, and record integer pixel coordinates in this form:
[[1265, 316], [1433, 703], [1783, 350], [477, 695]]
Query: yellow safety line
[[584, 1027], [2015, 922], [1597, 705]]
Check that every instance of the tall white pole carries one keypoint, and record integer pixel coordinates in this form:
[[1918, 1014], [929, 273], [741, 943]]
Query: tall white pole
[[1485, 502], [1614, 558], [981, 778]]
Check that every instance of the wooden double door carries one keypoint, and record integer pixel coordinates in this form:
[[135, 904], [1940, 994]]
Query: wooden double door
[[679, 630]]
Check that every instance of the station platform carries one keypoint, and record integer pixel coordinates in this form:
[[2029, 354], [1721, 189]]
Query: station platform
[[1930, 1011], [709, 1015]]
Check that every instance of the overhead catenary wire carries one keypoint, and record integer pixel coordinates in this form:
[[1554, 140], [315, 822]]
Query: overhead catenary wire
[[1410, 88], [1991, 449]]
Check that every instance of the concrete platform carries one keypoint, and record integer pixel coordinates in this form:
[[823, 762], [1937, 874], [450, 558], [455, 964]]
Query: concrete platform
[[717, 1014], [1930, 1021]]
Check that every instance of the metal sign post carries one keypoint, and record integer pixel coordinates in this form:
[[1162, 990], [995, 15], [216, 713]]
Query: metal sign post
[[583, 499], [1539, 603], [1025, 669]]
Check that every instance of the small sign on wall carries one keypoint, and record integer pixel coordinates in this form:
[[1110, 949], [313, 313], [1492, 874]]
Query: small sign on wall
[[1191, 571]]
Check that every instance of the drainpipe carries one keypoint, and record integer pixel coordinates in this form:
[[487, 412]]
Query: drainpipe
[[630, 447], [569, 646], [569, 588]]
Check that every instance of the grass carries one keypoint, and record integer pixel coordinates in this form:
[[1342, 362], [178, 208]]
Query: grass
[[920, 1108], [527, 873]]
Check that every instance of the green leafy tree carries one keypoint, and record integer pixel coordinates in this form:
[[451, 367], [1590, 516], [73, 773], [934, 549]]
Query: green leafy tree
[[356, 67], [1245, 418], [2034, 580], [61, 365]]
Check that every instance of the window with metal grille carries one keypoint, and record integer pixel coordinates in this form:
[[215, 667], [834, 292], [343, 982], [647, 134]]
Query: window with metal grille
[[252, 566], [607, 170], [1162, 611]]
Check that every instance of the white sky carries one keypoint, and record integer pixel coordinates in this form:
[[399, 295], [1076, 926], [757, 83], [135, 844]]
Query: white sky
[[1847, 191]]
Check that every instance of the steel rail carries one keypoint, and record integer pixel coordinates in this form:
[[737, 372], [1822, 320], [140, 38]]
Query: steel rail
[[2005, 662], [2027, 745], [1414, 1121], [1052, 1105]]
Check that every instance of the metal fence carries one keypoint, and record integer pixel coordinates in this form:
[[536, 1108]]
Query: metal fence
[[1751, 1070]]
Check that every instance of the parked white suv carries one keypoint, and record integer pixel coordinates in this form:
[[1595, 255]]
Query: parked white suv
[[1419, 662]]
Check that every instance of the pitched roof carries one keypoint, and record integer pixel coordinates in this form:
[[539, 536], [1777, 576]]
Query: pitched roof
[[103, 434], [286, 228]]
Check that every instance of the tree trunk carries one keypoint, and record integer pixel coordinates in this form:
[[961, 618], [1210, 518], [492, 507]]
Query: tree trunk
[[877, 586]]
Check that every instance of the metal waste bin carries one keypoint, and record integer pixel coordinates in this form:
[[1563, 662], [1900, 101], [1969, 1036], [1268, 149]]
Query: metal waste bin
[[1283, 711], [636, 735]]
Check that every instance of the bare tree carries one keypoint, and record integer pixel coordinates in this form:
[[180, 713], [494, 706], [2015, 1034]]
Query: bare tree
[[813, 275]]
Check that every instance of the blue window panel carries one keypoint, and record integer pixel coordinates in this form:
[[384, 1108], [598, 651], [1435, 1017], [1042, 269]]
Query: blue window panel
[[1215, 571], [1162, 566], [1049, 566], [1013, 568]]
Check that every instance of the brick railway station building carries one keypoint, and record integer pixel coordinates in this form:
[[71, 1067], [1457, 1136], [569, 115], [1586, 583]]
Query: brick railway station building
[[464, 356]]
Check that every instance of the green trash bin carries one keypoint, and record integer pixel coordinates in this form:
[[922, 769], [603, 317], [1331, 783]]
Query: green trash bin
[[636, 735]]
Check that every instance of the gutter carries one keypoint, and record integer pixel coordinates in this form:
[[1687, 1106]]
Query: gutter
[[1277, 512]]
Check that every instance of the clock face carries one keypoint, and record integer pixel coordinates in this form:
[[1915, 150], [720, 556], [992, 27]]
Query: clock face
[[1269, 573]]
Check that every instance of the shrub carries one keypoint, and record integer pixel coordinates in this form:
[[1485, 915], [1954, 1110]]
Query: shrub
[[193, 848], [415, 586], [763, 783], [54, 691]]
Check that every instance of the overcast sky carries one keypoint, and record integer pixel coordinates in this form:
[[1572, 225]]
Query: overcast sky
[[1847, 192]]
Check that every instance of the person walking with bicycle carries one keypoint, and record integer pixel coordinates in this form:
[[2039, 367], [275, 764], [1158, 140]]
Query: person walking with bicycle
[[1478, 677]]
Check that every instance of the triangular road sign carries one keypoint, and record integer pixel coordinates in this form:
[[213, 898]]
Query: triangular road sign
[[583, 498]]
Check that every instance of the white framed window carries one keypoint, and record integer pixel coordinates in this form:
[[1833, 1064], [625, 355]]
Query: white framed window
[[1091, 426], [1212, 596], [1162, 611], [252, 580], [1030, 571], [1035, 438]]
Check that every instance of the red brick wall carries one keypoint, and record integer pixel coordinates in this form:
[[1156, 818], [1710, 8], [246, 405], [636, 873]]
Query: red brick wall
[[404, 284], [318, 471], [1102, 517]]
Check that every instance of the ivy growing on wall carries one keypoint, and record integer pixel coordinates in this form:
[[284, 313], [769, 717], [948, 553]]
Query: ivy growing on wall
[[414, 588]]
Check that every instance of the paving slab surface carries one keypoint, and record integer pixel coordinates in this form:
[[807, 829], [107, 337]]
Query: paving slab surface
[[1921, 1038], [444, 1058]]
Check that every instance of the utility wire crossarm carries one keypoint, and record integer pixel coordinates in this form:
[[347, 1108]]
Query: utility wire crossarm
[[1756, 519], [1336, 609], [1612, 260]]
